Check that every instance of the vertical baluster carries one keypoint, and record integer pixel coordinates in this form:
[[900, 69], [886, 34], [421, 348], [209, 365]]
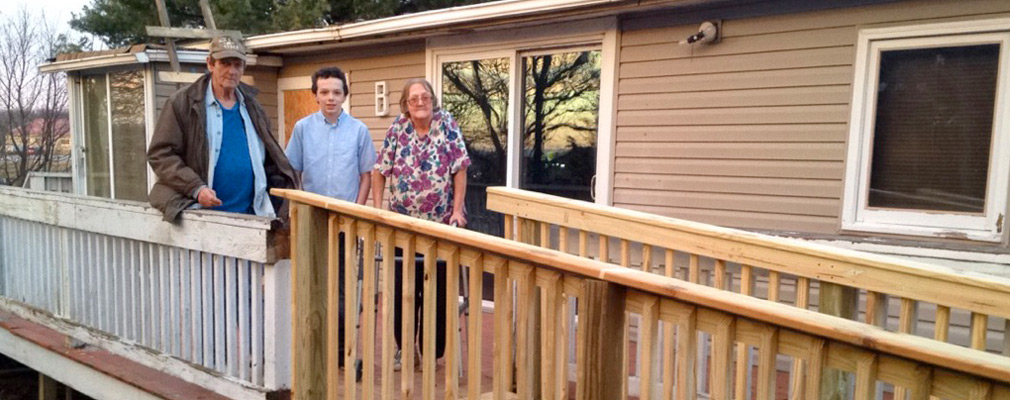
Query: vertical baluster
[[583, 244], [243, 333], [648, 339], [767, 353], [502, 332], [774, 280], [552, 335], [409, 286], [743, 365], [509, 231], [907, 319], [866, 376], [230, 315], [525, 363], [388, 287], [797, 385], [450, 254], [196, 267], [219, 313], [625, 253], [646, 258], [687, 356], [563, 238], [331, 297], [368, 310], [426, 246], [142, 293], [130, 265], [350, 350], [545, 235], [153, 295], [979, 326], [163, 299], [942, 325], [694, 271], [474, 325], [257, 323], [876, 308], [210, 263], [604, 248], [186, 306], [723, 337], [669, 339]]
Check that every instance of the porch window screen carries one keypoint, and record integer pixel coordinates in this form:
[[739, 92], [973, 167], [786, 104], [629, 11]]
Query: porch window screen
[[934, 128]]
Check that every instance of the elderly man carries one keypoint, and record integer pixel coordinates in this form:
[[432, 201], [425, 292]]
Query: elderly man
[[212, 147]]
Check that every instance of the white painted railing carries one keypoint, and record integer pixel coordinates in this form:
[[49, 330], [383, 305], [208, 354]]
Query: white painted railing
[[207, 291]]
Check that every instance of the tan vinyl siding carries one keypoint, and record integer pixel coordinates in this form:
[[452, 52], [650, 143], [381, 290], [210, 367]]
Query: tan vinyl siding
[[394, 65], [750, 132]]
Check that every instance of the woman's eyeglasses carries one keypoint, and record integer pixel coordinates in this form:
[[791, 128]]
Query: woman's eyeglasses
[[418, 100]]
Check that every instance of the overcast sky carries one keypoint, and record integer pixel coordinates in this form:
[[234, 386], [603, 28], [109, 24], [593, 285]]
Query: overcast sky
[[57, 11]]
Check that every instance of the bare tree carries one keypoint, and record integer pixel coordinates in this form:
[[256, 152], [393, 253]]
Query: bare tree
[[33, 116]]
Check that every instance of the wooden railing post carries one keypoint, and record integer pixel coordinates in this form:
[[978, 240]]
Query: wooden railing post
[[308, 291], [839, 301], [601, 325]]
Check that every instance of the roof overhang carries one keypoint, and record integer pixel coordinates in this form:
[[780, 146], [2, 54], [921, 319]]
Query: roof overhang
[[144, 57], [435, 19]]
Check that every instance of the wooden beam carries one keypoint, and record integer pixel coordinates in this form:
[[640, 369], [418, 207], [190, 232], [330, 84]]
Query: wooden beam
[[308, 265], [173, 59], [190, 77], [208, 17], [190, 33], [47, 387]]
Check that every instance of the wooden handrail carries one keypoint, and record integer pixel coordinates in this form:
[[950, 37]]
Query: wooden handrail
[[907, 279], [971, 362]]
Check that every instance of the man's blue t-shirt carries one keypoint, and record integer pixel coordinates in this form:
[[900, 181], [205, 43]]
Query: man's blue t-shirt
[[233, 175]]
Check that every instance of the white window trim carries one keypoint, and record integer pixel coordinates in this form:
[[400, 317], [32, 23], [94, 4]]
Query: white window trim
[[300, 83], [599, 33], [855, 214]]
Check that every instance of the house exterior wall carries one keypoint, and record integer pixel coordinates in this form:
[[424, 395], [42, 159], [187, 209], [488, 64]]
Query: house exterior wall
[[750, 132], [265, 80], [366, 66]]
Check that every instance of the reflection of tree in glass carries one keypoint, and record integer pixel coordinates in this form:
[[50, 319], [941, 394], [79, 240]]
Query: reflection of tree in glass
[[561, 105], [476, 94]]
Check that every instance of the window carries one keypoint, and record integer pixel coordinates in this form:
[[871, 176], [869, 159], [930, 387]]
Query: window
[[114, 143], [929, 131], [535, 113]]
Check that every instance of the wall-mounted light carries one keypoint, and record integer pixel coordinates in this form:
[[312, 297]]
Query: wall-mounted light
[[709, 32]]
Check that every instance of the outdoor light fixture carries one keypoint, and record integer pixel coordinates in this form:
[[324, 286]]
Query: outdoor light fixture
[[707, 33]]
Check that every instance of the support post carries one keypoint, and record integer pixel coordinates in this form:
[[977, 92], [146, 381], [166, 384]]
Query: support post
[[308, 269], [839, 301], [47, 387], [601, 324]]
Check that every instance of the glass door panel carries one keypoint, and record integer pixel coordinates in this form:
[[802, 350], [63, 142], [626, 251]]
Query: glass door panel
[[96, 136], [129, 148], [560, 116], [476, 94]]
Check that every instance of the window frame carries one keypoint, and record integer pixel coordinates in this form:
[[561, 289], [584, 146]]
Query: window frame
[[595, 34], [76, 113], [856, 215]]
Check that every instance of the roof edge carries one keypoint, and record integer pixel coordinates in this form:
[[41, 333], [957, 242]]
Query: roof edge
[[422, 20]]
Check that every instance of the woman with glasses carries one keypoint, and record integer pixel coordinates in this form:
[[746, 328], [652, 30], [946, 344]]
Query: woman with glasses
[[425, 160]]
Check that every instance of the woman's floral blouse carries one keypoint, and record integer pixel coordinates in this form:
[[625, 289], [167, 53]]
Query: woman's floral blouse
[[421, 169]]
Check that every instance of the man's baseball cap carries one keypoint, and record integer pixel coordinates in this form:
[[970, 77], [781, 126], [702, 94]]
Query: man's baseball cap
[[225, 47]]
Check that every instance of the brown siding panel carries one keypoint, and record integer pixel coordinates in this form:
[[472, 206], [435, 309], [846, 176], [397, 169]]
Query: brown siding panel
[[750, 132]]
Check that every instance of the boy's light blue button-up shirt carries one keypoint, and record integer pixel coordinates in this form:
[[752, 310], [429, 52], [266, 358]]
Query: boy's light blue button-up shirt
[[331, 157]]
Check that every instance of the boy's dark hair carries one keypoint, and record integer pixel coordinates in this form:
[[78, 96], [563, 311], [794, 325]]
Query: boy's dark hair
[[329, 72]]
